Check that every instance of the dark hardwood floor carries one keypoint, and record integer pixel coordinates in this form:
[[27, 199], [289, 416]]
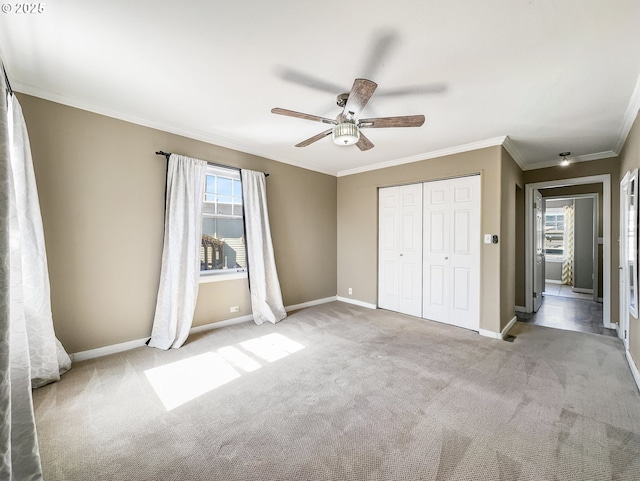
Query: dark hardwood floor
[[571, 314]]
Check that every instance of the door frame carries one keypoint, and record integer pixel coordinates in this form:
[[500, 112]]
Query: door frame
[[625, 311], [596, 208], [605, 180], [538, 236]]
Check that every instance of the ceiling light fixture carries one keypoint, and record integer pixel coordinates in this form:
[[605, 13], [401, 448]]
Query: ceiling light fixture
[[346, 133], [564, 155]]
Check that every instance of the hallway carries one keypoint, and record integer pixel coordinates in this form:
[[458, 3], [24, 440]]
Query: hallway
[[569, 313]]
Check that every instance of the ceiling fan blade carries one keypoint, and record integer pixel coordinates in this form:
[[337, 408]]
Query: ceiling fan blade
[[360, 94], [364, 143], [315, 138], [434, 88], [383, 122], [301, 78], [300, 115]]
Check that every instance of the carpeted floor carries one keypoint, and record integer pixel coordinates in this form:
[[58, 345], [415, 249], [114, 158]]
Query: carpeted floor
[[339, 392]]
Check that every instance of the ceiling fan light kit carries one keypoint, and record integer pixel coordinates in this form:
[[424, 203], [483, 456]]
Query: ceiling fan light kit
[[346, 127], [346, 133]]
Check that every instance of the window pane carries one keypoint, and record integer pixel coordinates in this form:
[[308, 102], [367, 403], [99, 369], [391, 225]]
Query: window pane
[[225, 208], [209, 208], [210, 186], [222, 244], [224, 186]]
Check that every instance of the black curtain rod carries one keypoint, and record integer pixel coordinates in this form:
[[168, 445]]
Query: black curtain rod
[[168, 154]]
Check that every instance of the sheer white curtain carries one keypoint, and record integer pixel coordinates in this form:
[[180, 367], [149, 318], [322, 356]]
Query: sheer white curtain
[[266, 296], [30, 354], [180, 272]]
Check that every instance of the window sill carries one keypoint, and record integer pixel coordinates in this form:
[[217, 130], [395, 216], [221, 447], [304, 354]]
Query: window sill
[[205, 279]]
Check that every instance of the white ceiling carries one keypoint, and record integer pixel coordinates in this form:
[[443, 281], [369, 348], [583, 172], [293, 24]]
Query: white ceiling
[[547, 75]]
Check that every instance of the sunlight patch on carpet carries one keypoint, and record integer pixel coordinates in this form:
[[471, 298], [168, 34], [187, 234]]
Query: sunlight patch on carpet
[[272, 346], [182, 381]]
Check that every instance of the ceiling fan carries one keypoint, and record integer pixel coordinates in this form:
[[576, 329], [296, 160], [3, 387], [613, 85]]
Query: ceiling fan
[[347, 125]]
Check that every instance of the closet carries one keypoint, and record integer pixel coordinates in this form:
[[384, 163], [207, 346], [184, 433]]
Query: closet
[[429, 250]]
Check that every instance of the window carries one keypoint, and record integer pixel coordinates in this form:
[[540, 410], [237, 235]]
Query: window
[[223, 241], [554, 233]]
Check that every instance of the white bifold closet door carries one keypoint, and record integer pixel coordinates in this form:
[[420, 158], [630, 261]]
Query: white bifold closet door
[[429, 250], [452, 252], [400, 249]]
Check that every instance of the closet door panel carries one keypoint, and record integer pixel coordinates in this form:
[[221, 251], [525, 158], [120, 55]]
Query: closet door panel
[[400, 249]]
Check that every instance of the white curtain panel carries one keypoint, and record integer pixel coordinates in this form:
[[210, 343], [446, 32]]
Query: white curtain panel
[[568, 243], [19, 458], [48, 357], [266, 296], [180, 271]]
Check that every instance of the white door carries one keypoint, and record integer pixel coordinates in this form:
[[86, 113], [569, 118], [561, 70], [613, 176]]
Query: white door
[[451, 275], [400, 249], [538, 266]]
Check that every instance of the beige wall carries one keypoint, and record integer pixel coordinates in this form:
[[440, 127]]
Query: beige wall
[[630, 160], [511, 180], [520, 250], [587, 169], [102, 197], [358, 224]]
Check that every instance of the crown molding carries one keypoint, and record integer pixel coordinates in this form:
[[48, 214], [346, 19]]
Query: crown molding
[[608, 154], [190, 134], [515, 154], [427, 155], [629, 117]]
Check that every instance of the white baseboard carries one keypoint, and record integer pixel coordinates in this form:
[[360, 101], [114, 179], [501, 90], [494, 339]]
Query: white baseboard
[[498, 335], [125, 346], [356, 302], [581, 290], [219, 324], [552, 281], [491, 334], [106, 350], [634, 369], [317, 302], [521, 309]]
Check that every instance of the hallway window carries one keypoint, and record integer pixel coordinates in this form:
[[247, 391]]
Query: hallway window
[[554, 233]]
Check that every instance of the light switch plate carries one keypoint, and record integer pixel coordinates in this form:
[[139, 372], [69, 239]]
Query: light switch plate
[[487, 238]]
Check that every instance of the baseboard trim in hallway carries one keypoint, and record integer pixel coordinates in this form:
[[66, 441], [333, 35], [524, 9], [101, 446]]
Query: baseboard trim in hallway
[[634, 369]]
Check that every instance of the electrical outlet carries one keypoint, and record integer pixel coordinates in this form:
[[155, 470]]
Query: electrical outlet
[[234, 309], [350, 291]]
